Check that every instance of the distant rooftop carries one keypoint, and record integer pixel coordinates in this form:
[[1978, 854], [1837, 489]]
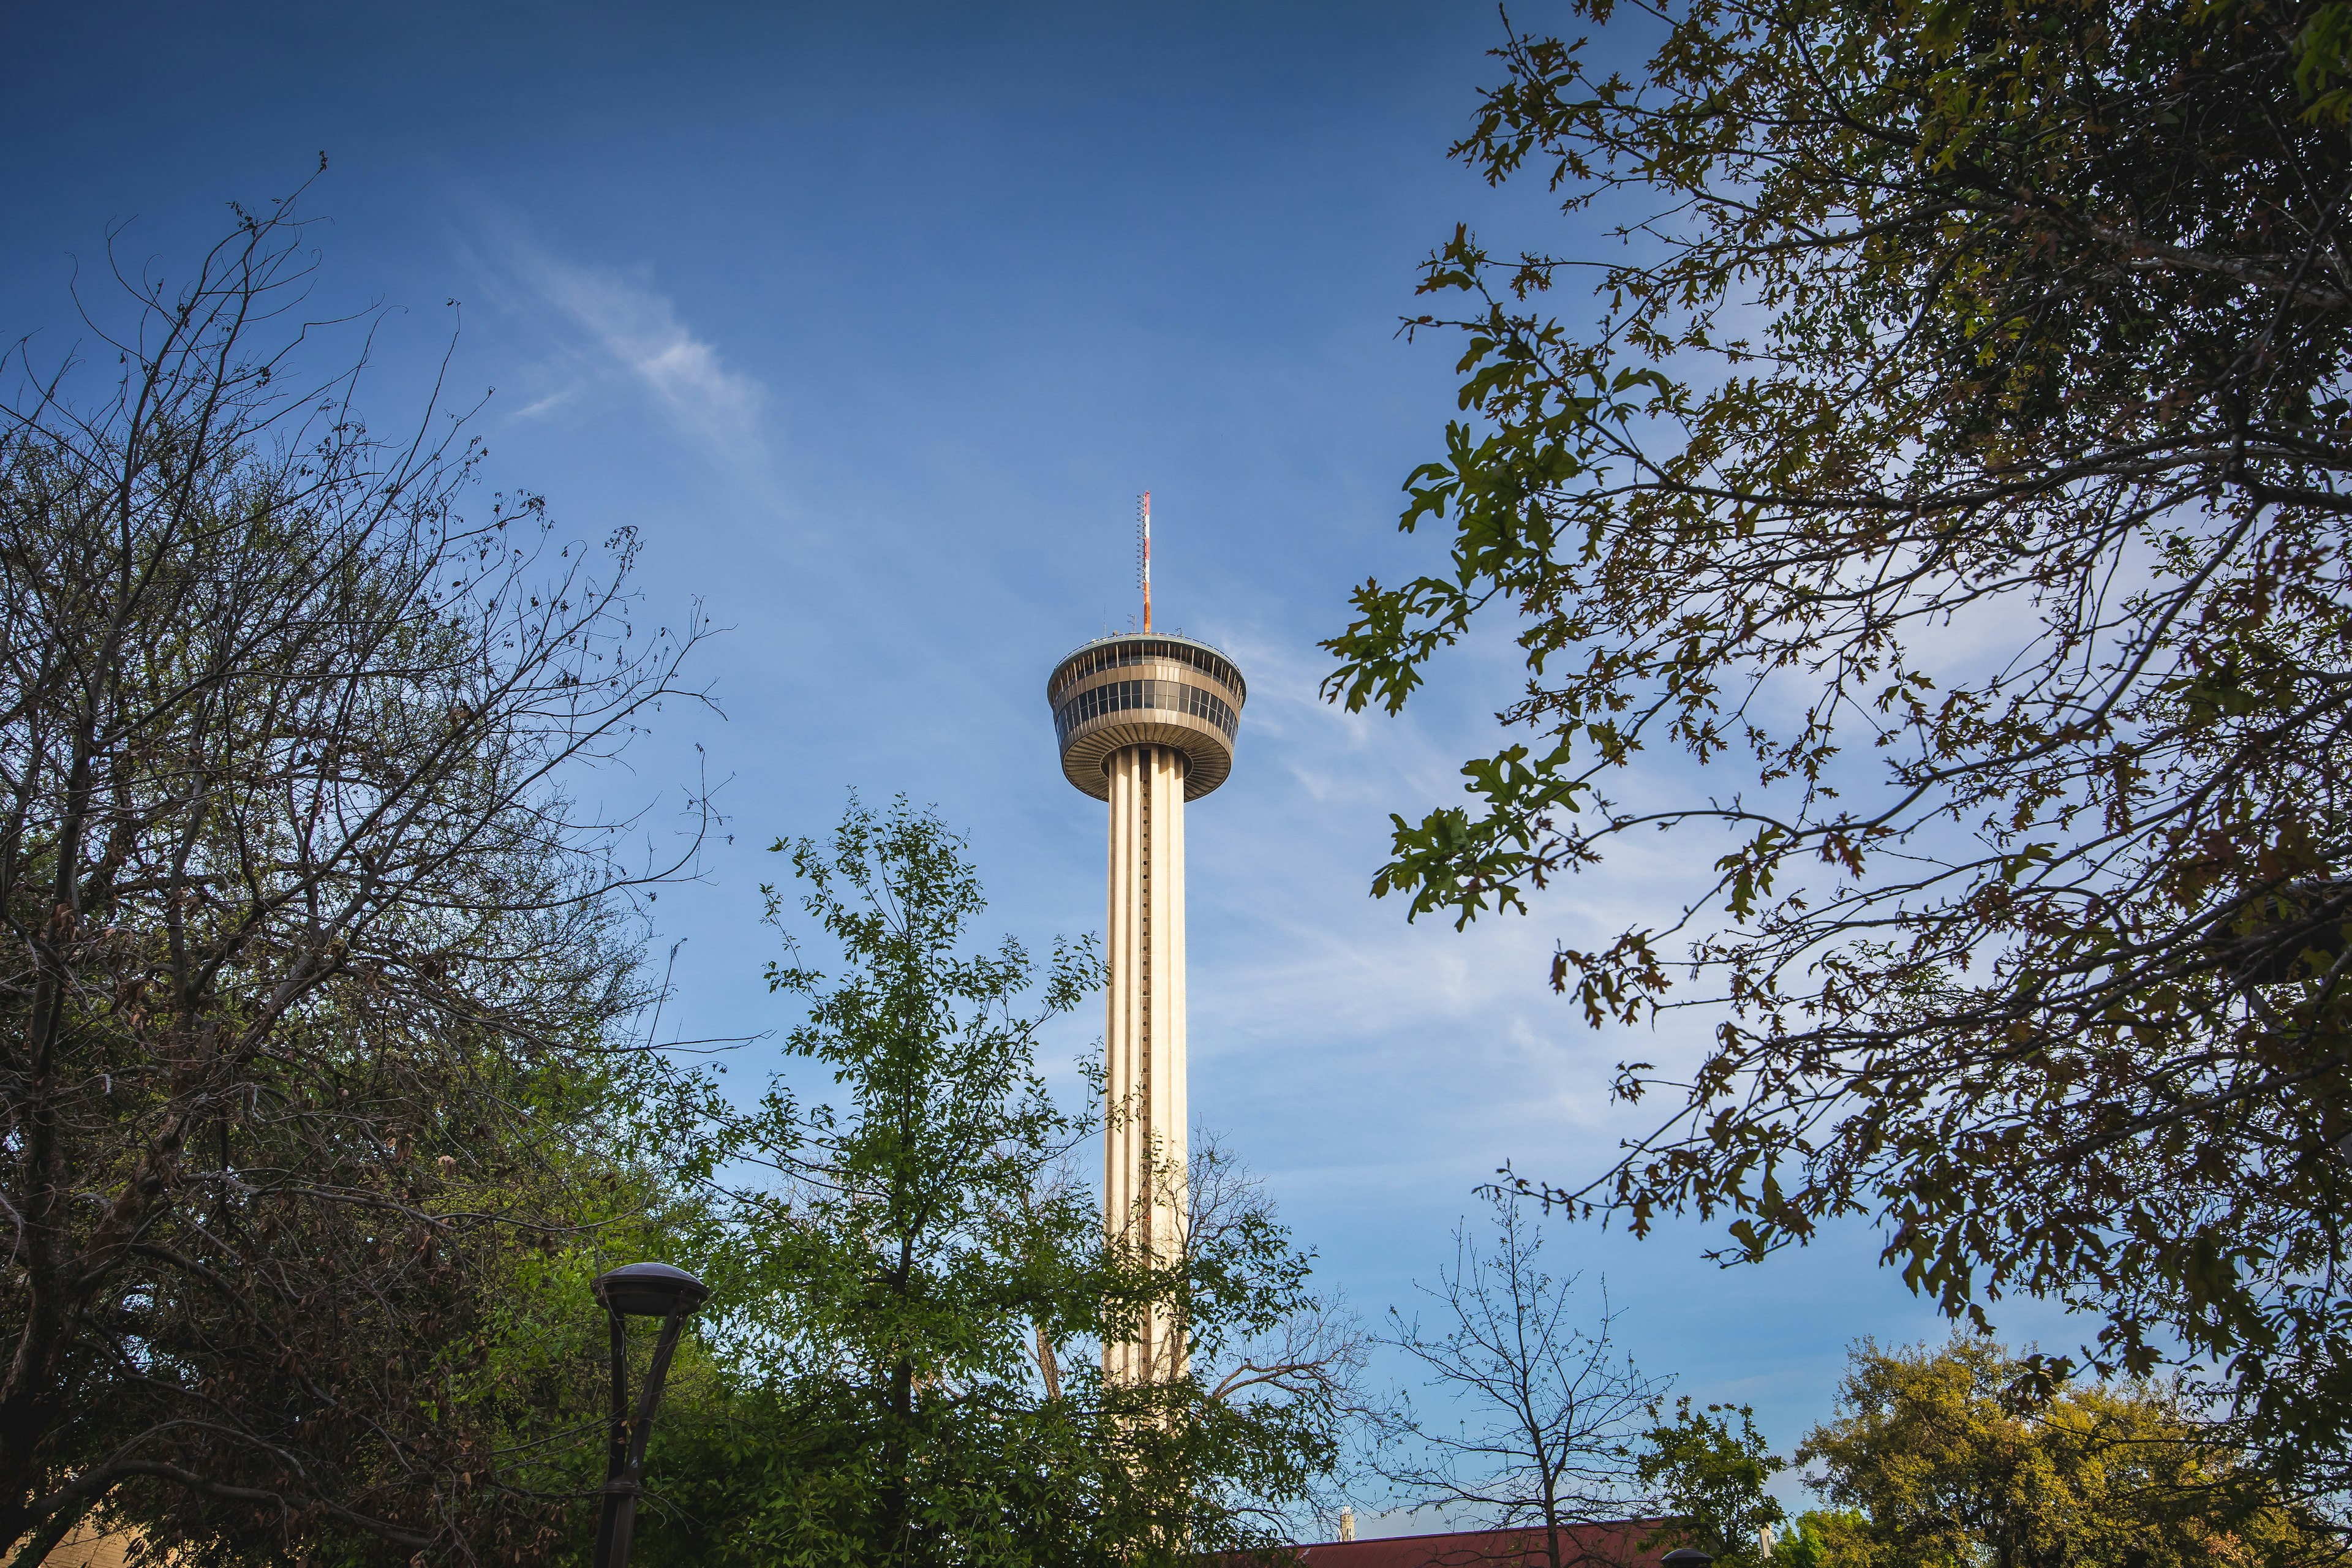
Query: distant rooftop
[[1610, 1543]]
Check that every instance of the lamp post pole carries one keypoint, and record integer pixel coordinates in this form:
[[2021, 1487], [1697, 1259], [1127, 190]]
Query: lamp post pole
[[638, 1290]]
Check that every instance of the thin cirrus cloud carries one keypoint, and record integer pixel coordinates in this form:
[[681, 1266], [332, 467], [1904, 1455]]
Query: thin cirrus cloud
[[620, 324]]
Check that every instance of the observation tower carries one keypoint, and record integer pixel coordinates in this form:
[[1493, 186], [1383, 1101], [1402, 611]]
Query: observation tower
[[1146, 722]]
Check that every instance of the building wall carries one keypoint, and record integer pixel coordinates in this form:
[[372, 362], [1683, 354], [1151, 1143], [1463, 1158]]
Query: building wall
[[87, 1547], [1607, 1543]]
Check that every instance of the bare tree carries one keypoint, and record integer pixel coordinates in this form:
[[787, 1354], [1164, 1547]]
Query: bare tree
[[306, 958], [1264, 1407], [1547, 1412], [1314, 1350]]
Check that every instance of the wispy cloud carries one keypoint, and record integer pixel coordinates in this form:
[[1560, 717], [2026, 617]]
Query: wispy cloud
[[640, 329], [554, 400], [623, 324]]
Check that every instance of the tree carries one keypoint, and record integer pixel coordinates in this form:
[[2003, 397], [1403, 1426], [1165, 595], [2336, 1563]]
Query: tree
[[1819, 1538], [913, 1291], [1552, 1411], [1968, 1455], [313, 977], [1957, 450], [1708, 1476]]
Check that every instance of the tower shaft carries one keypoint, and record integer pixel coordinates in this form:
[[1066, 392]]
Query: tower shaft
[[1144, 1195]]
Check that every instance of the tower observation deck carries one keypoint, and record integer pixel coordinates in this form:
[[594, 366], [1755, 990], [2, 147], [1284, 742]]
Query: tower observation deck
[[1146, 722]]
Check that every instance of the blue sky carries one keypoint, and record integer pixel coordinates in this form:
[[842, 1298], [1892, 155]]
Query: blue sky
[[874, 320]]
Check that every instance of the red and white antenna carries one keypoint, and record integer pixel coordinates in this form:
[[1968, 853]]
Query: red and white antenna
[[1143, 553]]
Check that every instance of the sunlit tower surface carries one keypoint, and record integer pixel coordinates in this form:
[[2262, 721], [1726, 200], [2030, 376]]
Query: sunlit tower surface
[[1146, 722]]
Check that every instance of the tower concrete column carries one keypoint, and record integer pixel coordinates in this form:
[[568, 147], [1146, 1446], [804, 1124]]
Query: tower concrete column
[[1144, 1197]]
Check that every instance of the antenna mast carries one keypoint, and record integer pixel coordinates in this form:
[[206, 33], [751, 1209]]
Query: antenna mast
[[1143, 553]]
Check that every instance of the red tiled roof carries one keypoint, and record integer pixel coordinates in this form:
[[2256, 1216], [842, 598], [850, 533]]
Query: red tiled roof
[[1612, 1543]]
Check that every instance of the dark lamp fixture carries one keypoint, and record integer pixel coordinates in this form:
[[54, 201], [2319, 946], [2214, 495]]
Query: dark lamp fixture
[[649, 1290], [639, 1290], [1686, 1557]]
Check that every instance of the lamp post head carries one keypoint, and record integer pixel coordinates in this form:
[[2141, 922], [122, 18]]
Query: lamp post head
[[1686, 1557], [649, 1290]]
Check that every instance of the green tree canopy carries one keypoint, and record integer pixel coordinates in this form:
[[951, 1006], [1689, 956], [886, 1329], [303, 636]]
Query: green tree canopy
[[1706, 1470], [1968, 1456], [914, 1289], [1955, 452], [1818, 1537]]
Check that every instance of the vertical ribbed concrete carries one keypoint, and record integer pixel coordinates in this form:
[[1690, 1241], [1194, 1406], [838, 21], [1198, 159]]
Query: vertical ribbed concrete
[[1144, 1140]]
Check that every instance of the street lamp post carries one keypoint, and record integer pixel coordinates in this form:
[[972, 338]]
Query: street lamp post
[[638, 1290]]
